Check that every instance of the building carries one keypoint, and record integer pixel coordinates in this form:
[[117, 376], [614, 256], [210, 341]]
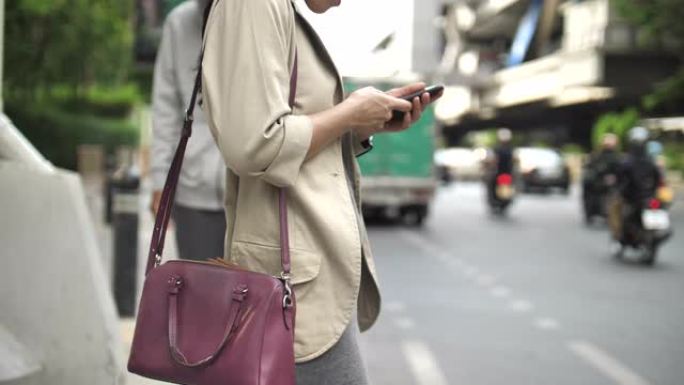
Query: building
[[543, 64]]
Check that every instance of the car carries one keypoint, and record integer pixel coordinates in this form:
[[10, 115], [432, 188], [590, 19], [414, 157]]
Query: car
[[542, 169], [459, 163]]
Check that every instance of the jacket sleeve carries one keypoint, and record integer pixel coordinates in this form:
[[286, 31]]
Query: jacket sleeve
[[167, 109], [249, 54]]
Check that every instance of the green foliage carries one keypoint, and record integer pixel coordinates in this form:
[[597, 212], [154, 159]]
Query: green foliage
[[661, 20], [572, 148], [142, 76], [65, 63], [674, 156], [73, 44], [57, 132], [112, 102], [669, 94], [481, 138], [617, 123]]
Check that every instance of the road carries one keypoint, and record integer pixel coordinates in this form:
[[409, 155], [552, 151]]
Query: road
[[534, 298]]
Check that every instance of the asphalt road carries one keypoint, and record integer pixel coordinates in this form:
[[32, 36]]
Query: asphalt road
[[534, 298]]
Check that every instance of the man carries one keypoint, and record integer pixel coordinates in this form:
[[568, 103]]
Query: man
[[608, 160], [638, 180], [198, 211], [600, 176], [502, 160]]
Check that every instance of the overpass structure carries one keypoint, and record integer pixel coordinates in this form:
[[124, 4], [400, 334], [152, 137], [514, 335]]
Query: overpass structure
[[544, 64]]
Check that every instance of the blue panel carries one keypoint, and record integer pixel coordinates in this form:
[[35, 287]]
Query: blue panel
[[525, 34]]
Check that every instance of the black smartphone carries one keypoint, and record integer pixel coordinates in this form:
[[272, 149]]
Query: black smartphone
[[432, 90]]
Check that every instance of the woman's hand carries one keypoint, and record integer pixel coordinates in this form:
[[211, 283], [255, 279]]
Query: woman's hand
[[418, 106], [366, 112], [370, 109]]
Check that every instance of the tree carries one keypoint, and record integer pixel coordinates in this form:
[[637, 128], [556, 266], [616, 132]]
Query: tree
[[661, 20], [65, 45]]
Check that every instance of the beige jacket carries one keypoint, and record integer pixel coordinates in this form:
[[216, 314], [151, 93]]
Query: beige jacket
[[249, 55]]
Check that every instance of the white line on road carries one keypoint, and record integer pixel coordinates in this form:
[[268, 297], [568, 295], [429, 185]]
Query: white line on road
[[520, 305], [423, 363], [395, 307], [485, 280], [606, 364], [471, 271], [404, 323], [546, 323], [500, 291]]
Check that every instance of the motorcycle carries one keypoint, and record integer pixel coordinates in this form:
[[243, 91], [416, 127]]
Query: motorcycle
[[501, 194], [646, 227]]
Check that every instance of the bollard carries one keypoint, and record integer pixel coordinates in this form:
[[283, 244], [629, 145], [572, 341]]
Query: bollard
[[109, 171], [125, 191]]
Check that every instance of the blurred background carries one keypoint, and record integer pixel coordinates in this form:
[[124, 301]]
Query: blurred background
[[478, 289]]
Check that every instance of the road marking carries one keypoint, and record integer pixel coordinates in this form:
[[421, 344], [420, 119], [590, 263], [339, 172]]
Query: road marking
[[500, 292], [422, 363], [485, 280], [546, 323], [520, 305], [404, 323], [394, 307], [471, 271], [606, 364], [433, 250]]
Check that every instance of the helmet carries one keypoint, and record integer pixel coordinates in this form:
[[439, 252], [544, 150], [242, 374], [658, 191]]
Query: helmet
[[638, 135], [504, 135]]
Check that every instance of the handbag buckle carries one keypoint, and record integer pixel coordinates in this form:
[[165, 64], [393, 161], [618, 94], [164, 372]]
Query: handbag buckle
[[287, 295]]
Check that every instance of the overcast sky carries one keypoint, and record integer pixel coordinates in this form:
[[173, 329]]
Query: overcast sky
[[352, 30]]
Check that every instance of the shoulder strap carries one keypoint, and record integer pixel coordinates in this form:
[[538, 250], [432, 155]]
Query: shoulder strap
[[163, 216]]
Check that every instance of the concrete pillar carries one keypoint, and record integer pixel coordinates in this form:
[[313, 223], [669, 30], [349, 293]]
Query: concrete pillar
[[426, 36]]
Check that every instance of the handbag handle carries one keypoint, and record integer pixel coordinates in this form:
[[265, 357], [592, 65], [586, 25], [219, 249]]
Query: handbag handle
[[175, 285], [161, 222]]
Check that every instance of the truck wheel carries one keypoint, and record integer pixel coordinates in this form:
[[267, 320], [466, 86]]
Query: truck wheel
[[414, 216]]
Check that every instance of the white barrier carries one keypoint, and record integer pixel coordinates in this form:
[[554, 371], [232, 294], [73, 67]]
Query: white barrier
[[55, 299]]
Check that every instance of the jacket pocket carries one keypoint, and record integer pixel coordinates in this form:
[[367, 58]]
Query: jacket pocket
[[266, 259]]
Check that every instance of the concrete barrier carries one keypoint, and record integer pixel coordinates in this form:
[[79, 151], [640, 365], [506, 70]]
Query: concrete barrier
[[55, 298]]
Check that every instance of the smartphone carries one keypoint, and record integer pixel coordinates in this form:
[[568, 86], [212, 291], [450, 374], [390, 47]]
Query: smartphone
[[432, 90]]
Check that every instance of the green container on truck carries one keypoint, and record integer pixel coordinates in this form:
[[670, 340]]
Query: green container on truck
[[398, 175]]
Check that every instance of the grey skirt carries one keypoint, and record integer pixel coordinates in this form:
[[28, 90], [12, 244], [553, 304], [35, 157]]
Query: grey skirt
[[341, 365]]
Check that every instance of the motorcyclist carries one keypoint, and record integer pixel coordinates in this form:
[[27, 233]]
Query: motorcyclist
[[502, 160], [608, 159], [600, 175], [638, 180]]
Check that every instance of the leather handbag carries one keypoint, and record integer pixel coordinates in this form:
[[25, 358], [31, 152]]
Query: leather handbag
[[211, 323]]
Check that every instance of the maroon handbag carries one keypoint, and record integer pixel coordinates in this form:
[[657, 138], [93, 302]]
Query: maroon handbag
[[212, 323]]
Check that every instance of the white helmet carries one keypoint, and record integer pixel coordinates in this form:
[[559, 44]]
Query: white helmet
[[504, 135], [638, 135]]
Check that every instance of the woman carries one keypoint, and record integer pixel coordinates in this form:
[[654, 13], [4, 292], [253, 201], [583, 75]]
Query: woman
[[250, 50]]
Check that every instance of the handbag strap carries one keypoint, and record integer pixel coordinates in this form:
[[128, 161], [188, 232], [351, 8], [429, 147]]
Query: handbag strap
[[161, 222]]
